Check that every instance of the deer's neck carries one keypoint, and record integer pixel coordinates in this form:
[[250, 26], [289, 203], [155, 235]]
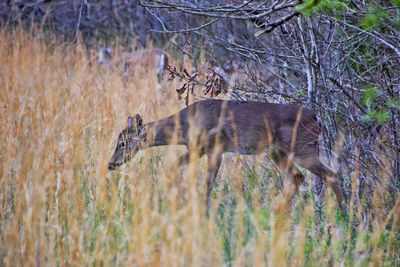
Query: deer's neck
[[161, 133]]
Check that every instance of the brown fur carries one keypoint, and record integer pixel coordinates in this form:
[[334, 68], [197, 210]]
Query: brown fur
[[146, 59], [214, 127]]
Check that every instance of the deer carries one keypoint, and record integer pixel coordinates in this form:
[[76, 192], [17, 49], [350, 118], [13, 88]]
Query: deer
[[248, 76], [287, 132], [148, 59]]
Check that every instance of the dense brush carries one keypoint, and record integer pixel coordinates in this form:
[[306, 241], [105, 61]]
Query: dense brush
[[60, 116]]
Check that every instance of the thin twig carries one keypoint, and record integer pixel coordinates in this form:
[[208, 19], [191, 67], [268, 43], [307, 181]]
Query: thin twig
[[78, 23]]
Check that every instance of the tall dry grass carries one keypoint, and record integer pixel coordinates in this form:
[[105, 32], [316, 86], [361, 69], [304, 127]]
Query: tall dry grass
[[60, 117]]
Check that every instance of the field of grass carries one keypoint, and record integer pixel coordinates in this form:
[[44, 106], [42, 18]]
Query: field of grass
[[59, 205]]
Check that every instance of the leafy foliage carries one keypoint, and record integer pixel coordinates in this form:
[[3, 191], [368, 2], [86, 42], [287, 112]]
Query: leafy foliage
[[374, 16], [310, 7]]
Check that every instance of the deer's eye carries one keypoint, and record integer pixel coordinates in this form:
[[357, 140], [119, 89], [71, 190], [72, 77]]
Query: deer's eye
[[122, 145]]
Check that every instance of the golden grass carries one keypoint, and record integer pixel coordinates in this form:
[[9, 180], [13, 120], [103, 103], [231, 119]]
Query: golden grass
[[60, 118]]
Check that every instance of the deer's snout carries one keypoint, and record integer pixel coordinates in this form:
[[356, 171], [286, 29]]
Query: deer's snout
[[112, 166]]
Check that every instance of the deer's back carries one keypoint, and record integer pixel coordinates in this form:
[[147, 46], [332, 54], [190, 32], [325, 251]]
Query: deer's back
[[147, 58], [249, 127]]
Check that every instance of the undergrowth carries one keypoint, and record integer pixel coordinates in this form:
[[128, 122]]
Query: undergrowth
[[60, 117]]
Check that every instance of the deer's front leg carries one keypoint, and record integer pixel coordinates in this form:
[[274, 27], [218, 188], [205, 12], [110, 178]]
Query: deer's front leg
[[184, 159], [214, 162], [315, 166], [281, 160], [337, 189]]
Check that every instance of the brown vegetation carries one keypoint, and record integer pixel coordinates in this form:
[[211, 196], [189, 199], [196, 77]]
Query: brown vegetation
[[60, 205]]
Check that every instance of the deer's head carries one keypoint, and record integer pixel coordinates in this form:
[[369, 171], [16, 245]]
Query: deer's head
[[128, 144]]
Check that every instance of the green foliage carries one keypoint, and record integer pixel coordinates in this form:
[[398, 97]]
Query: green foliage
[[373, 17], [370, 95], [379, 114], [396, 3], [265, 219], [393, 103], [310, 6], [374, 115], [309, 246], [226, 222], [363, 56], [302, 92], [251, 180]]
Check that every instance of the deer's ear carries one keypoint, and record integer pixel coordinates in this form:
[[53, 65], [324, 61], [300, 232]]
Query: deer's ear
[[138, 120], [130, 122]]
